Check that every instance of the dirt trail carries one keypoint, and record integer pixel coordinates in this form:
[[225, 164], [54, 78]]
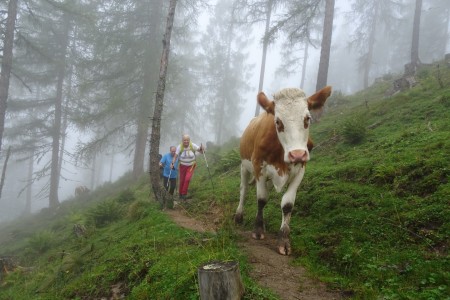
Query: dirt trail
[[269, 268]]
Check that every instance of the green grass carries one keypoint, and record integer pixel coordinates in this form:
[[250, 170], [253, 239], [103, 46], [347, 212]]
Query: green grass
[[371, 217], [145, 253]]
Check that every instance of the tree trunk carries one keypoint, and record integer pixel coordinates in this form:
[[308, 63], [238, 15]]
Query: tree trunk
[[99, 168], [159, 103], [415, 61], [262, 71], [322, 75], [7, 63], [111, 167], [447, 35], [141, 143], [221, 108], [220, 280], [93, 171], [2, 180], [65, 120], [369, 56], [56, 136], [143, 122], [305, 60], [29, 184]]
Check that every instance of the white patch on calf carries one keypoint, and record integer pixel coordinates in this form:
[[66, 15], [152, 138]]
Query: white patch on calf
[[247, 165], [278, 181], [289, 195]]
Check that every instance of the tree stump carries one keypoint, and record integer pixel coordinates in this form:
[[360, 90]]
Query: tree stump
[[220, 280]]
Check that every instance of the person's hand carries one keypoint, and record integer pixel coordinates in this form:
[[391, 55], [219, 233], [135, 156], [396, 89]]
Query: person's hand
[[172, 166], [160, 165]]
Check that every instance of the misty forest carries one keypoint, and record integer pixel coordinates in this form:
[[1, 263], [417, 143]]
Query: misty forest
[[91, 92]]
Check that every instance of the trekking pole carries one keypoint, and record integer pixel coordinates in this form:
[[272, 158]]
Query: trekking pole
[[168, 180], [209, 172]]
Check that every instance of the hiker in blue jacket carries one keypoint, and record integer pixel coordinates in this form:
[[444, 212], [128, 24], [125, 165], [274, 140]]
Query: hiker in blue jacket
[[170, 173]]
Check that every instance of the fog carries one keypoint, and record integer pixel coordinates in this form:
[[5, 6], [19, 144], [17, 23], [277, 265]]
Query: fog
[[110, 52]]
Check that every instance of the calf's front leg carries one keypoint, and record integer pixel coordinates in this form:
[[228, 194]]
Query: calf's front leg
[[261, 196], [284, 242], [287, 205]]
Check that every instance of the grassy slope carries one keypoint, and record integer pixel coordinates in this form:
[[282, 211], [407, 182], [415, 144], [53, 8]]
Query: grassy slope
[[371, 217], [376, 213], [130, 244]]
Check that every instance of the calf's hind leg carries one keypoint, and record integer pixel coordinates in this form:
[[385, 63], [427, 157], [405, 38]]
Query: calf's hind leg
[[245, 176]]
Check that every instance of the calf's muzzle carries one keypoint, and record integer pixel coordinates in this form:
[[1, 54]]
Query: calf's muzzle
[[297, 156]]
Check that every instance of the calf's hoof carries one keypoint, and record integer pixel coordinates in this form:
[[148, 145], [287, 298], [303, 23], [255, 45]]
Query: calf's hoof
[[284, 247], [238, 218], [258, 235]]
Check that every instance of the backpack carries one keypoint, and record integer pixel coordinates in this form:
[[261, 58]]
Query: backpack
[[190, 147]]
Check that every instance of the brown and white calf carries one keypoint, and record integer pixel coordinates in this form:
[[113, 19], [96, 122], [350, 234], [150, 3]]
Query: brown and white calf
[[275, 146]]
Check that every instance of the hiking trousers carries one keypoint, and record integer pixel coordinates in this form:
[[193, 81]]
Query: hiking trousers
[[171, 186], [186, 173]]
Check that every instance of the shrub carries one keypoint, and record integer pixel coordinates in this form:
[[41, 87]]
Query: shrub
[[230, 160], [104, 213], [354, 130], [126, 196], [41, 241], [423, 73], [138, 210]]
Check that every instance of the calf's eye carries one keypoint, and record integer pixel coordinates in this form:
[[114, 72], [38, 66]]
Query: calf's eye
[[306, 122], [279, 125]]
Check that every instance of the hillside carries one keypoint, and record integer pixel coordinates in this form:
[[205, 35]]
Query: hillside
[[371, 217]]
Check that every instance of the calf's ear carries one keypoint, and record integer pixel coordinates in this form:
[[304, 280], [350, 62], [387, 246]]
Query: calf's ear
[[317, 100], [266, 104]]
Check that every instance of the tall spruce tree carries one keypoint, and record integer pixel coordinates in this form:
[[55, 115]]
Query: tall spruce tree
[[255, 11], [368, 19], [225, 71], [325, 49], [6, 62], [415, 60], [43, 46], [159, 102], [120, 76]]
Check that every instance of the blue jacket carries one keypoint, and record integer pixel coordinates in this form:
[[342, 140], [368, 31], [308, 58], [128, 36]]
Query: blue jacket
[[166, 160]]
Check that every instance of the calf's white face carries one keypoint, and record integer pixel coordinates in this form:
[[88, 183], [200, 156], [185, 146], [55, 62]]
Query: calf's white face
[[292, 120], [291, 110]]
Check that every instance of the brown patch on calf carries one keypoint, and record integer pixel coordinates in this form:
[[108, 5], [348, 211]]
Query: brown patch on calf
[[287, 208], [279, 124], [260, 143], [306, 122], [258, 233], [310, 144]]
